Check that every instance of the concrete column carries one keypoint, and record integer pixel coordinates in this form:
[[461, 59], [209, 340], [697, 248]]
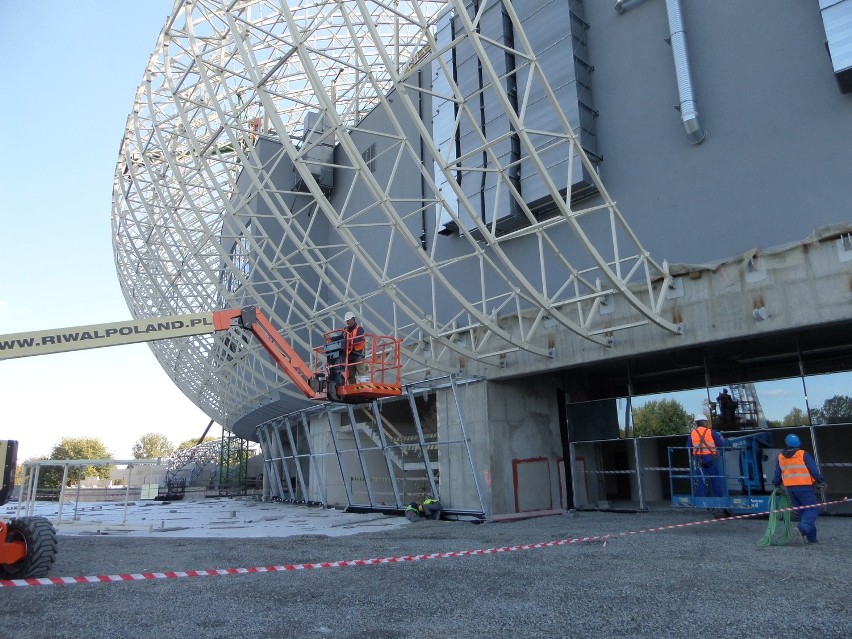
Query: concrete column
[[523, 423]]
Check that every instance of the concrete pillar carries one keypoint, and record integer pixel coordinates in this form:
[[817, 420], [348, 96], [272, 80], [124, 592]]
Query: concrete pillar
[[523, 423]]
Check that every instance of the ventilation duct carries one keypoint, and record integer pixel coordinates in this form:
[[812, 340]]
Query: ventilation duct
[[688, 110], [677, 39]]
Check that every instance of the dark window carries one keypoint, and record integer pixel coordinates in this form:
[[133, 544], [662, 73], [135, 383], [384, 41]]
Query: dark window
[[369, 156]]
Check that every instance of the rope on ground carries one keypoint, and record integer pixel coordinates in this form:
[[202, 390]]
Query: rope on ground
[[779, 504]]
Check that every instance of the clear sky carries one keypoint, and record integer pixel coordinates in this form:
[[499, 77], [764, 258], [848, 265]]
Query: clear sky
[[68, 76]]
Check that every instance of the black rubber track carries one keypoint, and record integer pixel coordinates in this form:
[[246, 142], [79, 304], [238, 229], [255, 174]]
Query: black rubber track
[[40, 537]]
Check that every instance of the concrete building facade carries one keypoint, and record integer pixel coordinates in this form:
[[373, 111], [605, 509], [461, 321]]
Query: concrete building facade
[[560, 207]]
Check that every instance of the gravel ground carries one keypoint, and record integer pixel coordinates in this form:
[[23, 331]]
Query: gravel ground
[[703, 581]]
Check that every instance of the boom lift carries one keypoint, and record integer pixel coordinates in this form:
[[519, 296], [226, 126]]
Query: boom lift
[[329, 377], [28, 545]]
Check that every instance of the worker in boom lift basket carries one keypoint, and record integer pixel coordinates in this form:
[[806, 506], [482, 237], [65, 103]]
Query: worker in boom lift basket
[[355, 348], [727, 408], [797, 471], [704, 444]]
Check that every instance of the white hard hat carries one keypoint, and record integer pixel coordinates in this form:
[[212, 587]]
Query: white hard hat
[[349, 315]]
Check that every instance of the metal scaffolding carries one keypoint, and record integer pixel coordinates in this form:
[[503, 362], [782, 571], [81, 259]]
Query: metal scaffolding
[[377, 456]]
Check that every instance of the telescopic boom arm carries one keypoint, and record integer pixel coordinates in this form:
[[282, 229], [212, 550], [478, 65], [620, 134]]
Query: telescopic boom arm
[[148, 330], [328, 381]]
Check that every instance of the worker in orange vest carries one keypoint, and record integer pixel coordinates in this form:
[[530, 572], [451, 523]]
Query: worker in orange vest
[[355, 347], [705, 444], [797, 471]]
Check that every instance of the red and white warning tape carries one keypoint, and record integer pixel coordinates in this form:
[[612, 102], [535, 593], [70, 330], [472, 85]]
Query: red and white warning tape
[[61, 581]]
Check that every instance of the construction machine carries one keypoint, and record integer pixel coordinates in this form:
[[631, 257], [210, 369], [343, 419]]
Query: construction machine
[[747, 465], [329, 376], [28, 545]]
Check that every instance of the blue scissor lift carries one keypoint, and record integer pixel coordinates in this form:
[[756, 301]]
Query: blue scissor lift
[[747, 466]]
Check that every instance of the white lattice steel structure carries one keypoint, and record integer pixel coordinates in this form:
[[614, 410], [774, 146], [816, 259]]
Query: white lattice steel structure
[[200, 221]]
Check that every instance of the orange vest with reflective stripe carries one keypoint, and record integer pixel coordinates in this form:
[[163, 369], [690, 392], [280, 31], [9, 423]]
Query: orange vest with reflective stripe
[[356, 338], [702, 441], [794, 472]]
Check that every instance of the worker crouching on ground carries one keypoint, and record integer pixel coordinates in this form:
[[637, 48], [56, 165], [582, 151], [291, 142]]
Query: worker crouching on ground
[[432, 508], [705, 443], [414, 511], [797, 471], [429, 509]]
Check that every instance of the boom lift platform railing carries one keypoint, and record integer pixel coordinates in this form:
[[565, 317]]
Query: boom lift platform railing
[[743, 467]]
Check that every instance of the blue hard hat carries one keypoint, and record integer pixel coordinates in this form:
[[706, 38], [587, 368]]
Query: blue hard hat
[[792, 441]]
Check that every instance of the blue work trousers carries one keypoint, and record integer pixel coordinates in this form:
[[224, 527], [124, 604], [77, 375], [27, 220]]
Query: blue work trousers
[[804, 496], [707, 469]]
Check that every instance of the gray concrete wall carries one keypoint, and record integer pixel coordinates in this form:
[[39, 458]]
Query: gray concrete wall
[[588, 487], [776, 162], [654, 482], [805, 285], [523, 421]]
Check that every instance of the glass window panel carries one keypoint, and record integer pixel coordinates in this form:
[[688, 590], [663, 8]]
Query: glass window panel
[[779, 402], [671, 413], [830, 397]]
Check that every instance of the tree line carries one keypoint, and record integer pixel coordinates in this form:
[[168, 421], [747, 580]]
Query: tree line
[[148, 446], [668, 416]]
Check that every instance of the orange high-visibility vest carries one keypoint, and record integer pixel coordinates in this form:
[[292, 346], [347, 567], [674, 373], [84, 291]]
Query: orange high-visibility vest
[[794, 471], [702, 441], [357, 342]]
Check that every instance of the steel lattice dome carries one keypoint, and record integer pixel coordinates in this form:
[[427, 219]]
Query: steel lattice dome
[[300, 158]]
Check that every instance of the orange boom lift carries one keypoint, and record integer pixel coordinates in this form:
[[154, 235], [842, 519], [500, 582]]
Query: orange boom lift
[[28, 544], [327, 377]]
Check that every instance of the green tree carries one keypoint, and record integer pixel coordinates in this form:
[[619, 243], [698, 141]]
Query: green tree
[[796, 417], [837, 410], [49, 477], [663, 417], [153, 445], [189, 443], [816, 416], [81, 448]]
